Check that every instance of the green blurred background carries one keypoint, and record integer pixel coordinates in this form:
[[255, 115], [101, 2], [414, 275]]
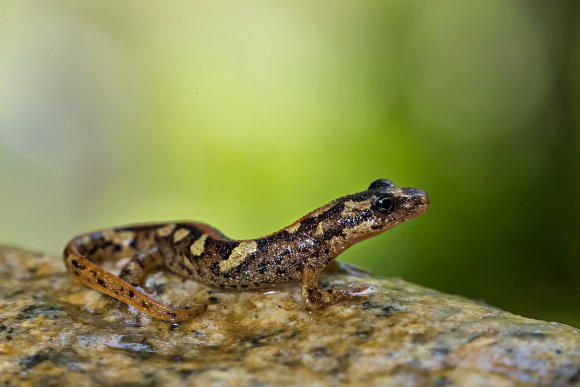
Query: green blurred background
[[246, 115]]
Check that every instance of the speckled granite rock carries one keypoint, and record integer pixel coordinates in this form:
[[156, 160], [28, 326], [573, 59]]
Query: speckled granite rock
[[53, 331]]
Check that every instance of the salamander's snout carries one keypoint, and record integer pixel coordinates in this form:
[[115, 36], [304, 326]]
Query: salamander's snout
[[417, 196]]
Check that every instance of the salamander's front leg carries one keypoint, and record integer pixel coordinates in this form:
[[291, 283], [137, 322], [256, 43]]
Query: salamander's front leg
[[315, 298]]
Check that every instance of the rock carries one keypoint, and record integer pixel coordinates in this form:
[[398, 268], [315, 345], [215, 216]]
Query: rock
[[54, 331]]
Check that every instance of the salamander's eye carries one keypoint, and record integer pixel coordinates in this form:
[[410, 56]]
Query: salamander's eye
[[384, 204], [381, 183]]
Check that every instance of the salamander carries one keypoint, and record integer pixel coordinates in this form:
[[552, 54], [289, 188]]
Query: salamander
[[197, 251]]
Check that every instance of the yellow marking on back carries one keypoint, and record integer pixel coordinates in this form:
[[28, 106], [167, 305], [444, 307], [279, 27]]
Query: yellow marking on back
[[189, 264], [198, 246], [123, 238], [166, 230], [352, 208], [319, 229], [180, 234], [238, 255], [293, 228]]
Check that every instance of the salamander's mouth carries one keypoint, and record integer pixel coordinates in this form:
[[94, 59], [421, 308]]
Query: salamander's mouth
[[416, 200], [418, 196]]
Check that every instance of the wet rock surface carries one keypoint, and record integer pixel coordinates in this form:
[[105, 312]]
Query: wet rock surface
[[54, 331]]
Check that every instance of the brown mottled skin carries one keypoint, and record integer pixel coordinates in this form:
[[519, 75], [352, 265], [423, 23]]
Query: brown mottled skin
[[194, 250]]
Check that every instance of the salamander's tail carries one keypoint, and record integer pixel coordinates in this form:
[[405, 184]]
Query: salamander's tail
[[94, 276]]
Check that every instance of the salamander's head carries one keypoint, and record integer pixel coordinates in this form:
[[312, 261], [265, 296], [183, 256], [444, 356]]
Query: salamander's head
[[391, 205], [381, 207]]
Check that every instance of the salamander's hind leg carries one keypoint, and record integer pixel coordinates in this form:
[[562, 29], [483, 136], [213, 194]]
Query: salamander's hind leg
[[126, 288], [135, 272], [315, 298]]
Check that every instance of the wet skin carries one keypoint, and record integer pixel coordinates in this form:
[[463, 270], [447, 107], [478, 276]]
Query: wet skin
[[299, 251]]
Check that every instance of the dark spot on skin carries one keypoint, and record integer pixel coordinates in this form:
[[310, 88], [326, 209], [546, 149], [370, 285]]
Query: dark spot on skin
[[116, 248], [331, 233], [101, 282], [244, 267], [131, 293], [280, 257], [75, 263], [93, 273], [108, 245], [90, 251], [76, 272], [223, 249], [185, 268], [144, 304], [215, 269], [171, 314], [212, 300], [262, 268]]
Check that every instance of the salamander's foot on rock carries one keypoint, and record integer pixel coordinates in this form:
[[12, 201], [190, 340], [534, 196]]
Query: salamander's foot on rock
[[321, 298]]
